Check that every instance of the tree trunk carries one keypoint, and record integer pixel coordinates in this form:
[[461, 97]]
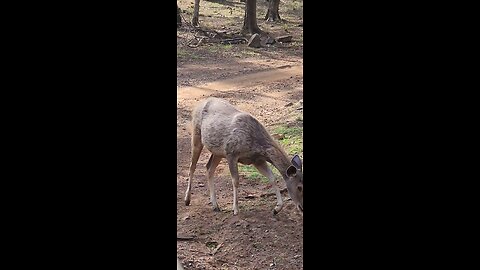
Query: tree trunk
[[272, 12], [179, 19], [250, 20], [196, 9]]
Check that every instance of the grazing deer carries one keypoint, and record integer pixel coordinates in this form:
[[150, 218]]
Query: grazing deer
[[237, 136]]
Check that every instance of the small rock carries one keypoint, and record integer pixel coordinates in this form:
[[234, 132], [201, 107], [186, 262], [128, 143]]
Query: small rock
[[186, 217], [289, 104], [267, 41], [296, 256], [242, 223], [270, 40], [254, 41], [287, 38], [201, 185]]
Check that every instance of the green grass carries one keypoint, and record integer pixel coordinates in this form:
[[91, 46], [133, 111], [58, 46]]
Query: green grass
[[184, 53], [289, 132], [251, 173], [292, 140], [250, 52], [218, 48]]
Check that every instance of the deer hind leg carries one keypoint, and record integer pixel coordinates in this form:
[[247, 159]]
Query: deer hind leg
[[263, 168], [211, 166], [233, 166], [197, 147]]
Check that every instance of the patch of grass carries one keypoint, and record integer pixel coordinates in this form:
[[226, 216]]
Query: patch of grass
[[251, 173], [289, 132], [184, 53], [250, 52], [211, 244], [292, 139], [219, 48]]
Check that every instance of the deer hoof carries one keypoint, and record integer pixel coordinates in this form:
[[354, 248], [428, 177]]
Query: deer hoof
[[216, 209], [187, 201]]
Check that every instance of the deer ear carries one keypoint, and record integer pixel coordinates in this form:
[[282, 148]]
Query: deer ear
[[291, 171], [297, 162]]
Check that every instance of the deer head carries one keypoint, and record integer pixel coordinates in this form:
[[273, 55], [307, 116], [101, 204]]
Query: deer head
[[294, 182]]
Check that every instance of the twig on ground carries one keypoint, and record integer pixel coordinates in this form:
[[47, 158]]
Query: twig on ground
[[283, 190], [185, 237], [217, 248]]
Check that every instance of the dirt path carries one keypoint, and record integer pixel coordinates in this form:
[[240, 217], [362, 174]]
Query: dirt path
[[255, 239], [257, 78]]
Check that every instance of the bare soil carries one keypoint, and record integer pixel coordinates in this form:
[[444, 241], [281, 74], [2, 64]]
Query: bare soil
[[268, 83]]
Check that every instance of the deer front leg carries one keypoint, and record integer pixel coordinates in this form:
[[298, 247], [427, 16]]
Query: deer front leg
[[263, 168], [233, 166]]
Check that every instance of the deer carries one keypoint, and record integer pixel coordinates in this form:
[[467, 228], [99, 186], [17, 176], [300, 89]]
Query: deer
[[237, 136]]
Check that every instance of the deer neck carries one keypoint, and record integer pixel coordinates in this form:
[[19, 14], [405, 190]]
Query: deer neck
[[279, 160]]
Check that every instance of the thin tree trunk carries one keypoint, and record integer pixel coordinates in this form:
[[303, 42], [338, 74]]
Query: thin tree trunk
[[196, 9], [272, 12], [179, 19], [250, 20]]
